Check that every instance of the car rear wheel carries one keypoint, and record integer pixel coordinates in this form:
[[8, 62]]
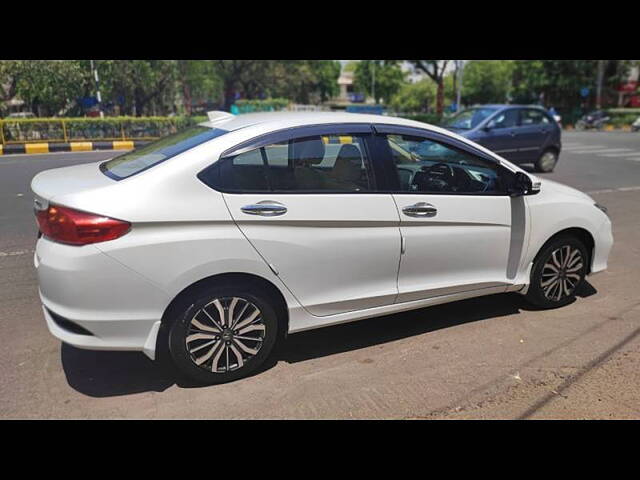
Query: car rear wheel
[[547, 161], [558, 273], [224, 334]]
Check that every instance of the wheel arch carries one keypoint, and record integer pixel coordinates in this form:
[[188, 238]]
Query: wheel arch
[[180, 301], [581, 234]]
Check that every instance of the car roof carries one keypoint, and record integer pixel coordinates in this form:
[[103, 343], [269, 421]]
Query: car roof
[[278, 120], [505, 105]]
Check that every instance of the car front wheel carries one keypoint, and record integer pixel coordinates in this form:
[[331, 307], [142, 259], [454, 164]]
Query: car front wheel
[[224, 334], [558, 273], [547, 161]]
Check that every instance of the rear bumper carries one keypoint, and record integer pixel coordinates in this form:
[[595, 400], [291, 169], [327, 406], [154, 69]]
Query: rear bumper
[[120, 309]]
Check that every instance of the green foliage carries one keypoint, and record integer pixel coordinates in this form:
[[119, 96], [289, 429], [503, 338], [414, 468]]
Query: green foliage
[[301, 81], [147, 86], [621, 117], [46, 86], [388, 76], [435, 69], [414, 97], [486, 81], [267, 105]]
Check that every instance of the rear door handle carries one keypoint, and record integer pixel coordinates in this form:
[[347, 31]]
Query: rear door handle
[[265, 209], [420, 209]]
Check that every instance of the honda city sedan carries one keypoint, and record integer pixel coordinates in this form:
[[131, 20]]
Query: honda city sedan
[[210, 246]]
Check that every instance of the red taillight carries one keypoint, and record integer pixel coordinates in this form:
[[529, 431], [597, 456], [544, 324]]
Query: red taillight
[[67, 225]]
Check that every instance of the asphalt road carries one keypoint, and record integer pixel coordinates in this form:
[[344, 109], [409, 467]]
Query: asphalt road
[[490, 357]]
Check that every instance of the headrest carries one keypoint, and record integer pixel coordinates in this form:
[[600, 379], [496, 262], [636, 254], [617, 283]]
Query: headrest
[[348, 166], [349, 152], [308, 150]]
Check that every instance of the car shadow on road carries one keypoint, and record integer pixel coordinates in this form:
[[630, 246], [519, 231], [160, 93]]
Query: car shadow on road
[[108, 374]]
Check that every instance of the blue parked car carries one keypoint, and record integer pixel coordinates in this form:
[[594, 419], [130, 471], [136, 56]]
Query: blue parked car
[[519, 133]]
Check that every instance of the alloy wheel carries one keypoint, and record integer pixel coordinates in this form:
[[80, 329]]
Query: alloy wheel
[[561, 273], [225, 334]]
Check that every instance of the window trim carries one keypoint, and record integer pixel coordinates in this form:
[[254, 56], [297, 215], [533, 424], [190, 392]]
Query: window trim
[[287, 134], [392, 180]]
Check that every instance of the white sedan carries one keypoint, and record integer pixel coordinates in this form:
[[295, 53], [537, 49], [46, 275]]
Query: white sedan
[[210, 246]]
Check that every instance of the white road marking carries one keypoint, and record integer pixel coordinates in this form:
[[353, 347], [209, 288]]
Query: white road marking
[[17, 252], [604, 150], [610, 190], [628, 154], [592, 147]]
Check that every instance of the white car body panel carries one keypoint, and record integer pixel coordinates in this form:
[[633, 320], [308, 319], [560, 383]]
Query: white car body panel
[[336, 253], [337, 257], [464, 247]]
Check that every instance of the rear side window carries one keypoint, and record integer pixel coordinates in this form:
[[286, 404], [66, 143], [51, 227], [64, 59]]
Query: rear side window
[[506, 119], [130, 163], [532, 117], [308, 164]]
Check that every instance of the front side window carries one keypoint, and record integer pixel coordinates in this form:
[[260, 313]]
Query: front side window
[[130, 163], [427, 166], [308, 164]]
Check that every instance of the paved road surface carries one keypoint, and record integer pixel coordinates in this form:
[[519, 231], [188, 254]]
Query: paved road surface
[[489, 357]]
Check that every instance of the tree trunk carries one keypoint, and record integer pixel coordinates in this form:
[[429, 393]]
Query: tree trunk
[[440, 97]]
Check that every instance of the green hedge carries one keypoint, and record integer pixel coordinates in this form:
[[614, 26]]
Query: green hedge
[[78, 129], [266, 105]]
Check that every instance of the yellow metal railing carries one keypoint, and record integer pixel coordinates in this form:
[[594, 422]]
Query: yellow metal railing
[[37, 130]]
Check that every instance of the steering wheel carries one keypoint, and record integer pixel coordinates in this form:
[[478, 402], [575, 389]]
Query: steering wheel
[[441, 176]]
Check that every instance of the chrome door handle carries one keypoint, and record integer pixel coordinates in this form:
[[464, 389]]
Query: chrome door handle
[[266, 209], [420, 209]]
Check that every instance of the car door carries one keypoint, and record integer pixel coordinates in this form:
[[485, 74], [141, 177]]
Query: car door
[[455, 215], [534, 132], [501, 134], [306, 199]]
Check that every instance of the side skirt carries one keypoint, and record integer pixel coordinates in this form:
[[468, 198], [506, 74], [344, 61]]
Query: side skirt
[[300, 321]]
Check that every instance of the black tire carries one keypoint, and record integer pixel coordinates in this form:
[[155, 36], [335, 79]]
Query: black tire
[[541, 292], [547, 161], [181, 327]]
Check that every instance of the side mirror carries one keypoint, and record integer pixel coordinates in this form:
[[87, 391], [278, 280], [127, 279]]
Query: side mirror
[[522, 185], [491, 124]]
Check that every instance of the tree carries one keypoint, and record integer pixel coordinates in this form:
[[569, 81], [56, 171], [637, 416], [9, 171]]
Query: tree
[[199, 81], [143, 87], [559, 82], [414, 97], [380, 79], [46, 86], [435, 69], [487, 81]]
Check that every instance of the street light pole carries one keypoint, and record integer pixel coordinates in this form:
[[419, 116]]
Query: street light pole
[[599, 86], [373, 81], [94, 71], [460, 69]]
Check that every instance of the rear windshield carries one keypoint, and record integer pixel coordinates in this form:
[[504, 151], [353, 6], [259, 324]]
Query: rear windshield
[[136, 161]]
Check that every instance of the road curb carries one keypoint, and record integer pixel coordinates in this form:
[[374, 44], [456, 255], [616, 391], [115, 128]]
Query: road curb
[[48, 147]]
